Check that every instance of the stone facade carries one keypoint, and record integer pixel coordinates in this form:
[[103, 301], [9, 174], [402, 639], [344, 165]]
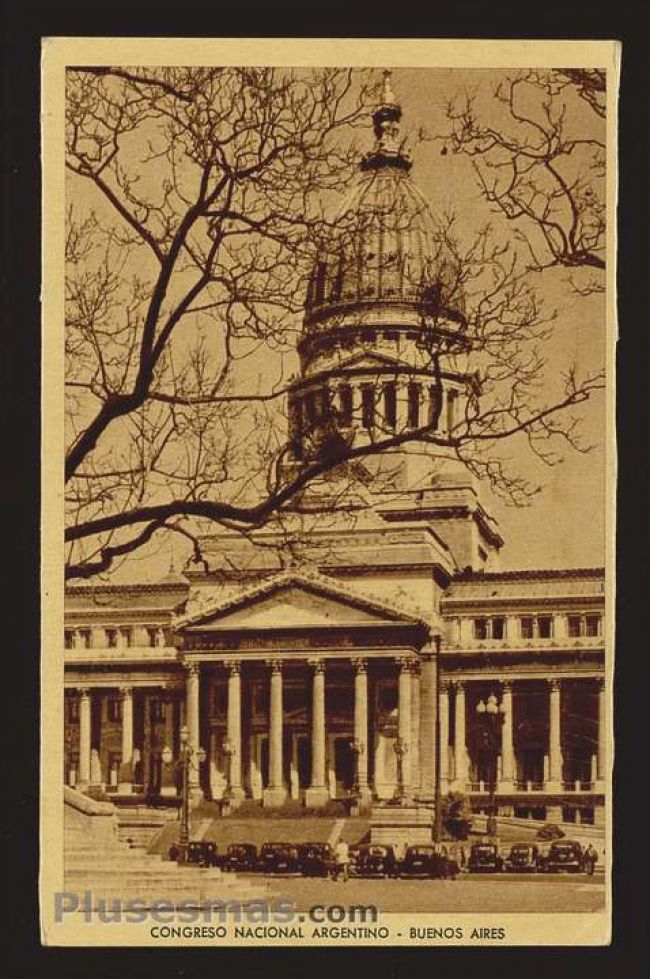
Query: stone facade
[[339, 672]]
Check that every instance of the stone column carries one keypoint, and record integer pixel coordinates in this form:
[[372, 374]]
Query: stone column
[[428, 715], [404, 720], [233, 731], [317, 794], [192, 683], [601, 754], [361, 726], [83, 780], [555, 742], [125, 780], [275, 794], [460, 740], [444, 734], [507, 740]]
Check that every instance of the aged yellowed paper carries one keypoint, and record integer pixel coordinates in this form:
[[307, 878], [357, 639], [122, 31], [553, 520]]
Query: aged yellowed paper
[[328, 345]]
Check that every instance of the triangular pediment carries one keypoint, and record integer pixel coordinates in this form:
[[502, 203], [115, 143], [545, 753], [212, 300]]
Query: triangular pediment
[[295, 603], [371, 361]]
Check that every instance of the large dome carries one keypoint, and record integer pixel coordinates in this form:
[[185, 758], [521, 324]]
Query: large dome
[[386, 248]]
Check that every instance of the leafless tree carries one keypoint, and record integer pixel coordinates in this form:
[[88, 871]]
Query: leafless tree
[[197, 199], [539, 157]]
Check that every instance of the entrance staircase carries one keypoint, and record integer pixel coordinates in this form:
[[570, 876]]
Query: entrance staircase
[[101, 868]]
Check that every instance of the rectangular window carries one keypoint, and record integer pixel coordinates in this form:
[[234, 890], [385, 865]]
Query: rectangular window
[[367, 406], [545, 626], [451, 409], [574, 623], [127, 636], [345, 394], [69, 639], [592, 625], [434, 406], [498, 628], [114, 709], [111, 638], [413, 405], [527, 627], [157, 709], [152, 633], [390, 405], [220, 699], [480, 629]]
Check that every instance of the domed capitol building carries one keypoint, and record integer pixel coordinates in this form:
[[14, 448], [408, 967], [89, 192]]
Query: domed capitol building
[[393, 659]]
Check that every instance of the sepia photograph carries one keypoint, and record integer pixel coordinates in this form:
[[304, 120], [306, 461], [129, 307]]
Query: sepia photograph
[[328, 492]]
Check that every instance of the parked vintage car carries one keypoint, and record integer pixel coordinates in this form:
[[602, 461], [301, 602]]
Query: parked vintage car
[[240, 857], [523, 857], [564, 855], [485, 858], [316, 859], [279, 858], [374, 860], [203, 853], [426, 861]]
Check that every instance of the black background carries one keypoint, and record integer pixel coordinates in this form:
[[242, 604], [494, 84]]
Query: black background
[[23, 25]]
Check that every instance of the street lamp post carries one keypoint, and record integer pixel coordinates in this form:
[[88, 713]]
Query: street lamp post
[[491, 717], [189, 757], [358, 749], [228, 752], [401, 748]]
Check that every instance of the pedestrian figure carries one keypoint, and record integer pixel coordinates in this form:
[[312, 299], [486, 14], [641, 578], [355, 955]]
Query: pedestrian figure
[[342, 857], [590, 859]]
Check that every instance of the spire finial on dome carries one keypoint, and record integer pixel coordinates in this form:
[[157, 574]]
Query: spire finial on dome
[[388, 151], [387, 95]]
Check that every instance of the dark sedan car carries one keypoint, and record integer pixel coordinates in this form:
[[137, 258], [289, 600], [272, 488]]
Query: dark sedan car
[[240, 857], [523, 857], [202, 853], [316, 859], [279, 858], [564, 855], [373, 860], [426, 861], [485, 858]]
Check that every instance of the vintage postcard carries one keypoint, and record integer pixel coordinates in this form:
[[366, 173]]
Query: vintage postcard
[[328, 492]]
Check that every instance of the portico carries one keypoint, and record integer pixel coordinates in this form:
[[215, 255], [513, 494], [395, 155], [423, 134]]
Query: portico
[[307, 700]]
